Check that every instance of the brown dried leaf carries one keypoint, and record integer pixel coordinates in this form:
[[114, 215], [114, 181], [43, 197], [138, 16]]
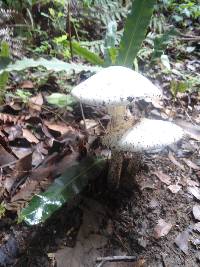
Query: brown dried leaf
[[22, 168], [162, 229], [27, 134], [195, 191], [196, 212], [182, 241], [27, 85], [192, 130], [191, 164], [163, 177], [59, 127], [196, 227], [88, 243], [14, 132], [173, 160], [36, 102], [174, 188], [5, 157]]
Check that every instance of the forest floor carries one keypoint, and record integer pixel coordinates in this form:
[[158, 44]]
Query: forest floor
[[156, 219], [153, 217]]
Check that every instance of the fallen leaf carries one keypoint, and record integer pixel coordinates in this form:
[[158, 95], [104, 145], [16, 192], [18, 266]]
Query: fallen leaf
[[59, 127], [174, 188], [27, 134], [173, 160], [194, 191], [21, 169], [192, 183], [163, 177], [196, 227], [192, 130], [5, 157], [36, 102], [191, 164], [13, 132], [196, 212], [162, 229], [182, 241], [27, 85], [21, 152], [88, 243]]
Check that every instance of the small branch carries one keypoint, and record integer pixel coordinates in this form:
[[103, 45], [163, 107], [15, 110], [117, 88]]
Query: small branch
[[114, 258]]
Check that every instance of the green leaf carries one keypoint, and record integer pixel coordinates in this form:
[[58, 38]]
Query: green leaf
[[135, 31], [60, 100], [53, 64], [4, 50], [110, 39], [64, 189], [85, 53]]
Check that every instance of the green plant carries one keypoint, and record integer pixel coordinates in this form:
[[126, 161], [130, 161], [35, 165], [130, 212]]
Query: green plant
[[4, 55]]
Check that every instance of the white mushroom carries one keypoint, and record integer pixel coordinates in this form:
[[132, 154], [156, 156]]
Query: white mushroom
[[115, 87], [149, 136]]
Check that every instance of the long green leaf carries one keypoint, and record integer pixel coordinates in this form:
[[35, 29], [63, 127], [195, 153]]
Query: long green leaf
[[53, 64], [64, 189], [86, 54], [135, 31]]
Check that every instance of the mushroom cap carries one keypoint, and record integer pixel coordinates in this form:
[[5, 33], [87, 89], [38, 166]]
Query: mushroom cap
[[149, 135], [115, 85]]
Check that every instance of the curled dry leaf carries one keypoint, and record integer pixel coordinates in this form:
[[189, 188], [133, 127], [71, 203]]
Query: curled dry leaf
[[196, 212], [27, 134], [27, 85], [162, 229], [182, 241], [163, 177], [21, 169], [196, 227], [174, 188], [5, 157], [173, 160], [59, 127], [191, 164], [193, 190], [36, 102]]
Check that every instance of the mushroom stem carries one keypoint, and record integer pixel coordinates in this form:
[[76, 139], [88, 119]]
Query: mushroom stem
[[118, 113], [115, 169], [118, 125]]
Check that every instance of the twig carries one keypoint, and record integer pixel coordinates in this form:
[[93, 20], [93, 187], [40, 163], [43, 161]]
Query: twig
[[114, 258], [83, 116]]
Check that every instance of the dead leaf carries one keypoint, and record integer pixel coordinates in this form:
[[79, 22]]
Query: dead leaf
[[192, 130], [173, 160], [36, 102], [196, 212], [88, 243], [27, 85], [14, 132], [21, 169], [191, 164], [21, 152], [163, 177], [174, 188], [59, 127], [196, 227], [27, 134], [5, 157], [162, 229], [192, 183], [182, 241], [194, 191]]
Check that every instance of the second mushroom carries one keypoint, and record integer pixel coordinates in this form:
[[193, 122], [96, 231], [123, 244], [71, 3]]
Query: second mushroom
[[115, 88]]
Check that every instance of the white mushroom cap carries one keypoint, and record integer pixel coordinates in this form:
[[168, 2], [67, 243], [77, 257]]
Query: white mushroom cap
[[149, 135], [115, 85]]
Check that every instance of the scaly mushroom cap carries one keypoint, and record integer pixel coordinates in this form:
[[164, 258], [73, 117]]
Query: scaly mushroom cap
[[115, 85], [149, 135]]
